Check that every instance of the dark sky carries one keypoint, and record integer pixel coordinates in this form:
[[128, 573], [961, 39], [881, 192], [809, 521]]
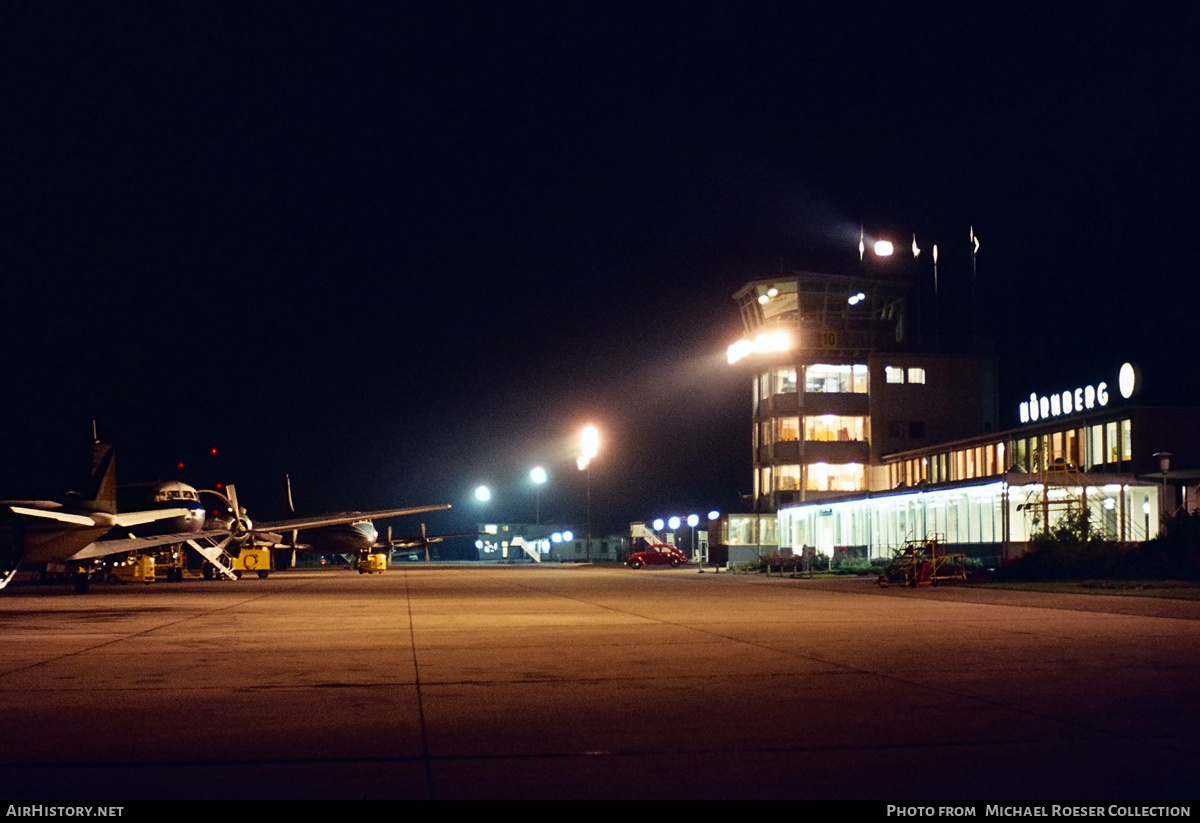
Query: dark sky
[[396, 250]]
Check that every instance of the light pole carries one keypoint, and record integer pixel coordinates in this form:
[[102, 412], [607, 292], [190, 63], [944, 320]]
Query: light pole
[[1164, 466], [538, 475], [589, 447]]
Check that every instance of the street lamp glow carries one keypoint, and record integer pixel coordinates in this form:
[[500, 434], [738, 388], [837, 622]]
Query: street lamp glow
[[658, 524], [590, 440], [714, 515], [763, 343], [693, 520], [568, 536], [883, 248], [673, 523], [538, 475], [483, 494]]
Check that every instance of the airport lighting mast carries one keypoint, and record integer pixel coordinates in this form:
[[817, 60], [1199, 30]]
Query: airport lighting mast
[[589, 448]]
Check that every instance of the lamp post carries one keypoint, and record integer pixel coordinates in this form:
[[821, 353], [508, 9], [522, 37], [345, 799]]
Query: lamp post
[[1164, 466], [538, 475], [589, 441]]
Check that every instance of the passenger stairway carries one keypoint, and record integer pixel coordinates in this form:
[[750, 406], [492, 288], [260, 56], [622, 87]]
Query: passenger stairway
[[530, 550], [215, 553]]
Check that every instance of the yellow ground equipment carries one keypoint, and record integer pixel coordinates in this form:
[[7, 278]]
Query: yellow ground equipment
[[137, 568], [252, 560], [922, 563], [372, 562]]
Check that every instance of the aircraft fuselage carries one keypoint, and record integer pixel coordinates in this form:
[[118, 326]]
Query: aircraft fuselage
[[347, 538]]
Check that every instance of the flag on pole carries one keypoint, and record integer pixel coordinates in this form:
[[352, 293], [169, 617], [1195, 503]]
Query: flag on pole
[[935, 283]]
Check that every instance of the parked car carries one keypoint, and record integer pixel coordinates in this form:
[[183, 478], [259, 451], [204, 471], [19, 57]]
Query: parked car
[[658, 554]]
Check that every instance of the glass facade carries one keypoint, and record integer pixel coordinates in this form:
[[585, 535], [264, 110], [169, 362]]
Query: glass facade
[[986, 515], [786, 422], [832, 427], [835, 379], [1082, 448]]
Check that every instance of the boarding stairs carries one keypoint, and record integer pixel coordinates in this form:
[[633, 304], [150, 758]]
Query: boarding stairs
[[530, 550], [214, 552]]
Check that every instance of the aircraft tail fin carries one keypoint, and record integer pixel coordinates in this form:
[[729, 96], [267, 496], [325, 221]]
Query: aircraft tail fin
[[104, 477]]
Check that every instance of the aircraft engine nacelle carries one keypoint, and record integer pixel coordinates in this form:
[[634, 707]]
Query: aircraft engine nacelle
[[242, 527], [239, 528]]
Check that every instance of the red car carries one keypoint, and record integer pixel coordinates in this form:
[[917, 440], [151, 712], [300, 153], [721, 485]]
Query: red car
[[657, 554]]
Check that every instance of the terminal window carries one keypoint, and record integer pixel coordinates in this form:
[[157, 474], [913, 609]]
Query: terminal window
[[787, 429], [832, 427], [835, 477], [787, 478], [824, 378], [785, 381]]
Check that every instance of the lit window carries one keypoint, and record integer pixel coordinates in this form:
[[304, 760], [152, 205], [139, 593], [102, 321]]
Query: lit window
[[829, 427], [832, 477], [894, 375], [820, 377], [787, 429], [788, 478], [785, 381], [916, 376]]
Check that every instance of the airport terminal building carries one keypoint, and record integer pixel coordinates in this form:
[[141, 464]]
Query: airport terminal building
[[862, 441]]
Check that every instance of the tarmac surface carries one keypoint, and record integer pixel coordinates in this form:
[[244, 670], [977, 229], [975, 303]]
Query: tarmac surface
[[589, 682]]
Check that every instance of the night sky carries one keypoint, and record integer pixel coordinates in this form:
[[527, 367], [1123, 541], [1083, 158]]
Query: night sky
[[397, 250]]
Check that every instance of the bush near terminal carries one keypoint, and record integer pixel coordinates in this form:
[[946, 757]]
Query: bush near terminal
[[1074, 551], [1070, 558]]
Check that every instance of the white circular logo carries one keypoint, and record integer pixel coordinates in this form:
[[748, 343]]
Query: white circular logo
[[1126, 380]]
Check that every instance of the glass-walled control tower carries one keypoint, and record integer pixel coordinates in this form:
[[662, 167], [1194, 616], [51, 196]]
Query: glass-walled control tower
[[837, 384]]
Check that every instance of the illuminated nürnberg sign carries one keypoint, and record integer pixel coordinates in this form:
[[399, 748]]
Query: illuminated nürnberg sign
[[1073, 401]]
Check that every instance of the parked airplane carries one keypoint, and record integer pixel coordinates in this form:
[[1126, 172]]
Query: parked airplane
[[346, 533], [422, 543], [39, 532], [166, 494]]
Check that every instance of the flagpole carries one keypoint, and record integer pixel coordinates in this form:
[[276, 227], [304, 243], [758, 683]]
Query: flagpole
[[974, 290], [937, 304]]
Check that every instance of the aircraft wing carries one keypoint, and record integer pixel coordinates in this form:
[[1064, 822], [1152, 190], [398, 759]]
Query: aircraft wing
[[343, 517], [99, 518], [53, 514], [120, 545]]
